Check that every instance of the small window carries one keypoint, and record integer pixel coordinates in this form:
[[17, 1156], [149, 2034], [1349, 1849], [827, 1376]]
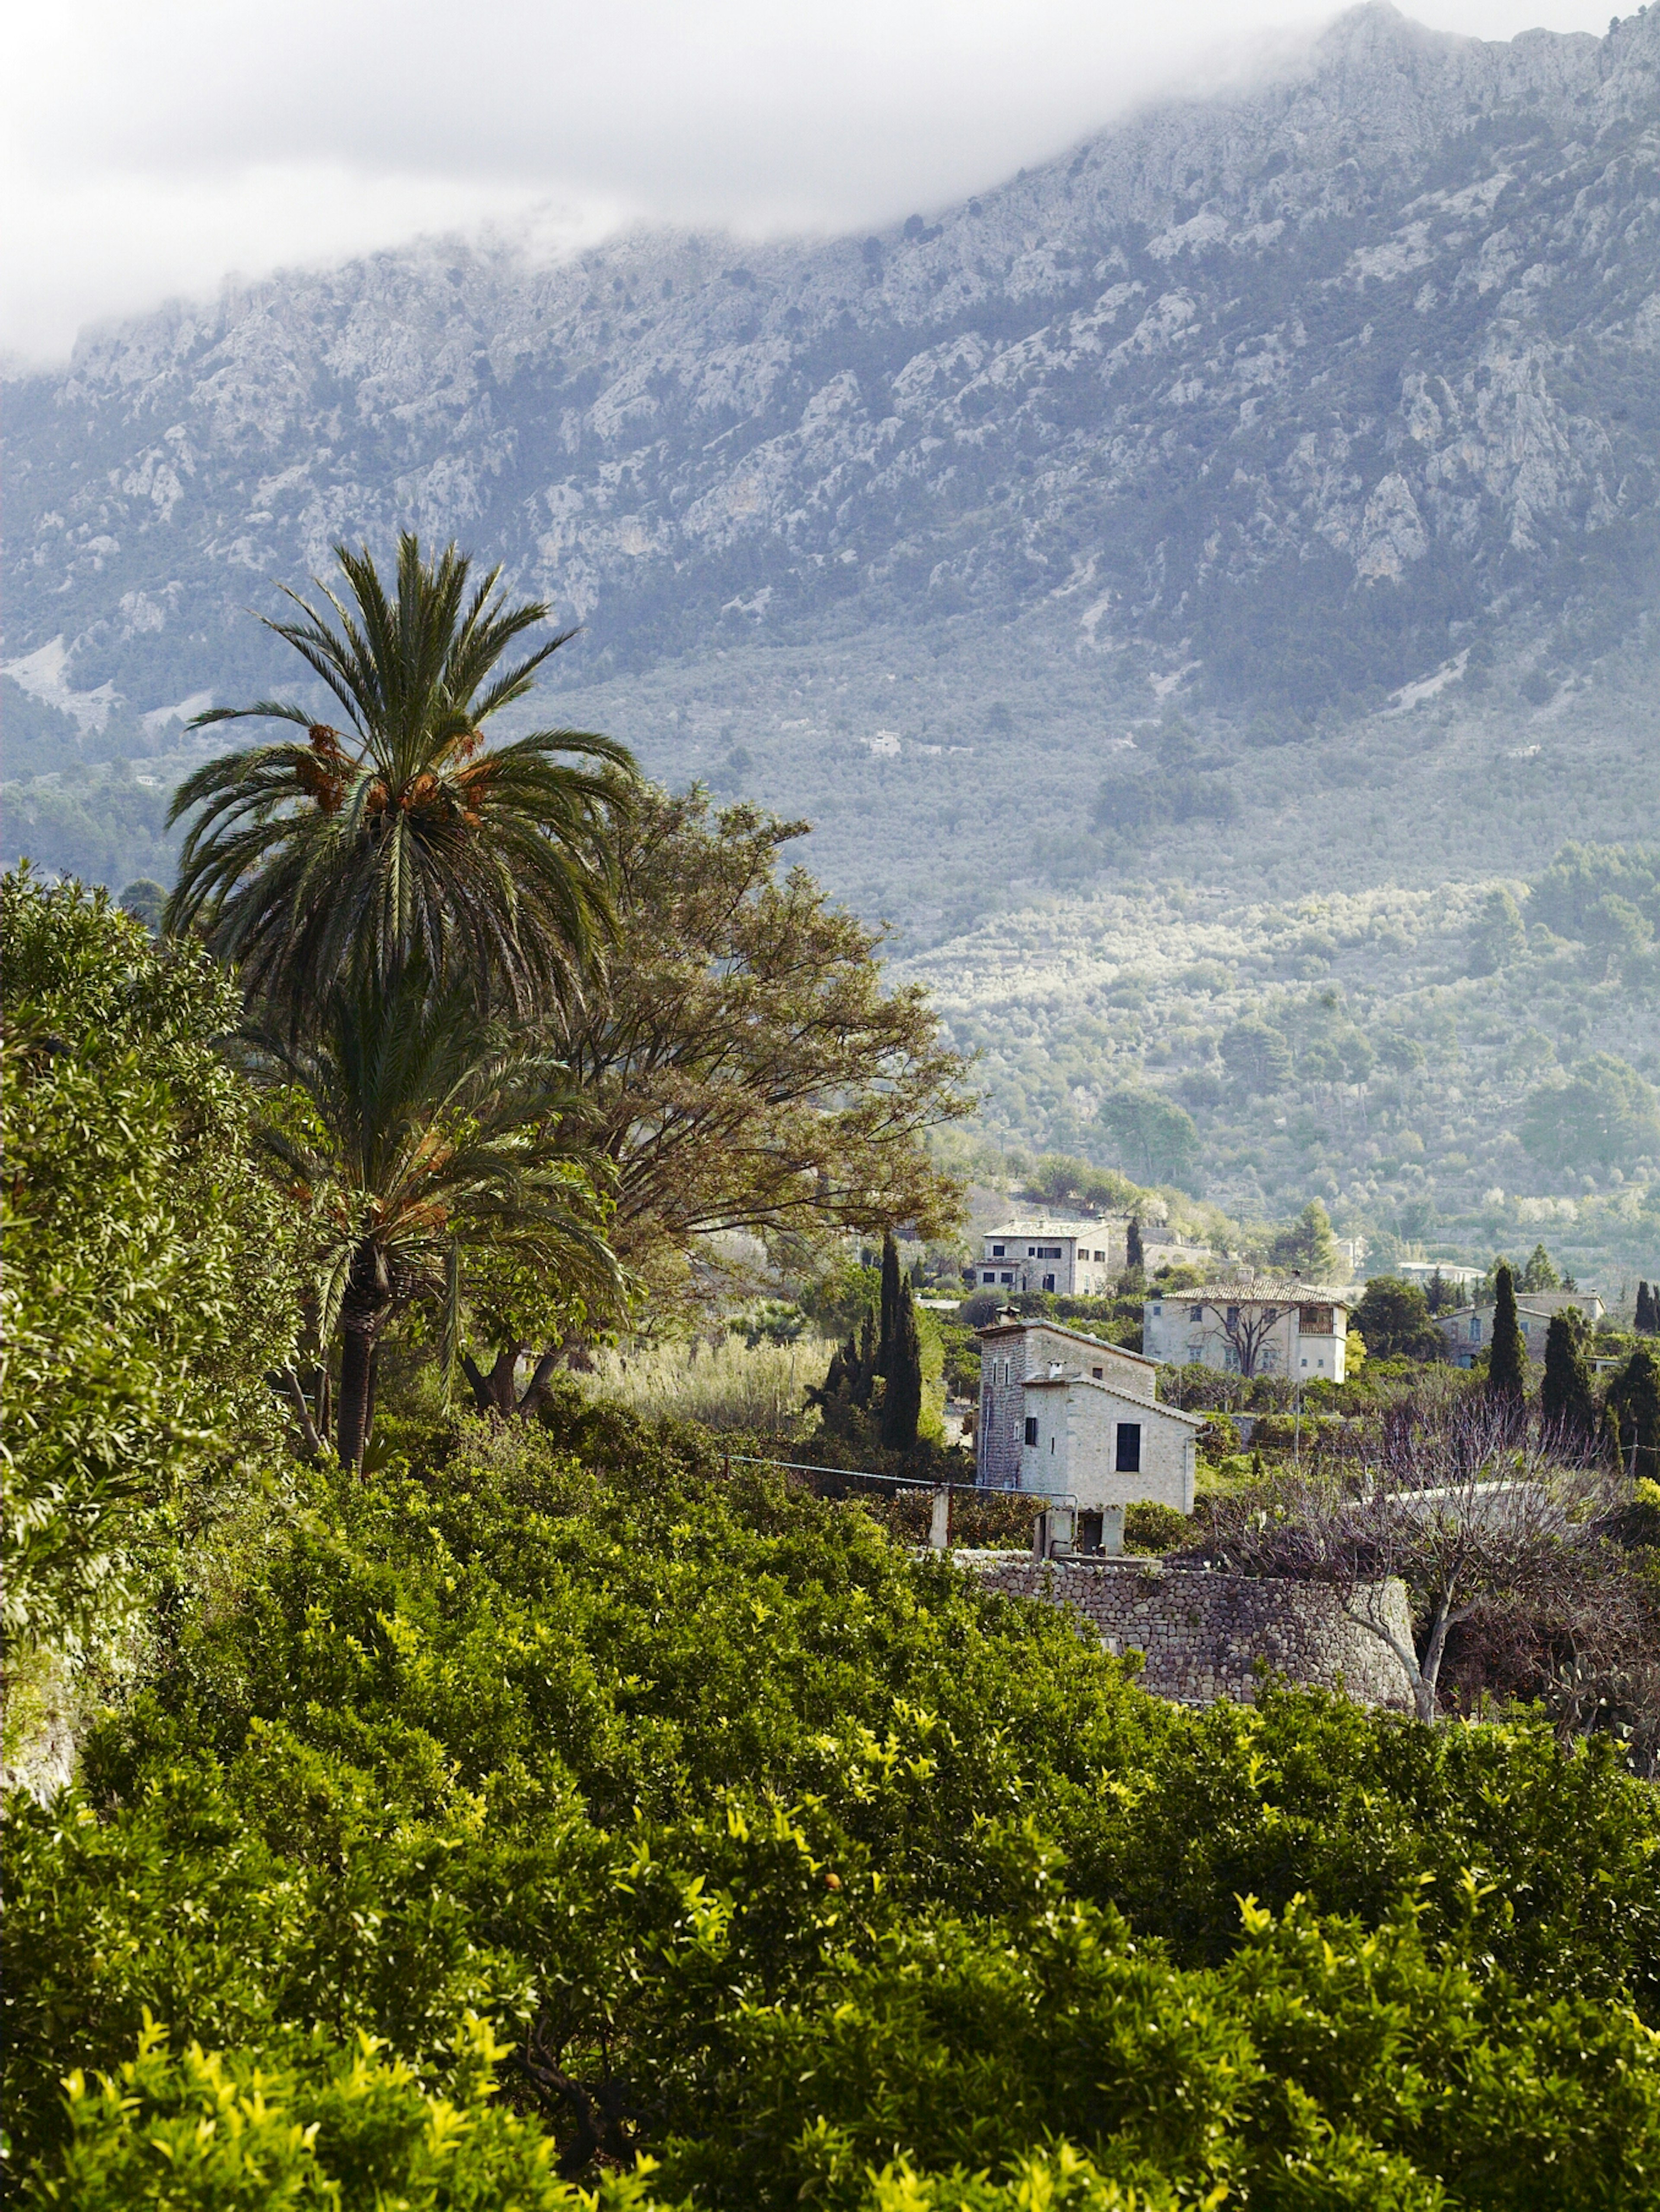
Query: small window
[[1128, 1460], [1031, 1251], [999, 1252], [1098, 1373], [1006, 1278], [1100, 1259], [1196, 1313], [1032, 1428], [988, 1274]]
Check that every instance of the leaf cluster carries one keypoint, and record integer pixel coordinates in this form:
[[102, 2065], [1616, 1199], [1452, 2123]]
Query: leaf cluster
[[148, 1279]]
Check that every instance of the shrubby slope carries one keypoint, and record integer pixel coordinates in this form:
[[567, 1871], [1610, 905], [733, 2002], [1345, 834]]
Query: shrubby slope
[[786, 1857]]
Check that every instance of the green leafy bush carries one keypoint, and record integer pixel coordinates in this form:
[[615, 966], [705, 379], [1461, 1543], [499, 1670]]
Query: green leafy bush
[[145, 1291], [806, 1867]]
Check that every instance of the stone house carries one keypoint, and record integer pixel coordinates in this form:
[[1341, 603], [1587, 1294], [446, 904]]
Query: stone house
[[1066, 1415], [1073, 1259], [1469, 1329], [1250, 1328]]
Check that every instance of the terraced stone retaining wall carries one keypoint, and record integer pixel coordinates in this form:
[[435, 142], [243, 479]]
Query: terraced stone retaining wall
[[1204, 1635]]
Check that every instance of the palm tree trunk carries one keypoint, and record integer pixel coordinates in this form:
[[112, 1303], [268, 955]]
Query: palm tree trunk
[[368, 1294], [356, 1389]]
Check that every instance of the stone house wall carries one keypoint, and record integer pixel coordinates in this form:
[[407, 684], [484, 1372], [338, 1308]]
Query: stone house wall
[[1204, 1635], [1010, 1353]]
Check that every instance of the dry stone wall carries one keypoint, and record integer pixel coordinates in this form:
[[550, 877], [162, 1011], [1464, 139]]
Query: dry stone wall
[[1204, 1635]]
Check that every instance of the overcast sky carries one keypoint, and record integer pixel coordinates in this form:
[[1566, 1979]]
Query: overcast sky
[[155, 149]]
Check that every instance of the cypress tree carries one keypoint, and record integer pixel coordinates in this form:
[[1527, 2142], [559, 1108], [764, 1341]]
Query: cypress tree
[[1135, 1254], [1508, 1360], [901, 1403], [866, 1373], [1565, 1406], [1646, 1323], [892, 1279], [1634, 1403]]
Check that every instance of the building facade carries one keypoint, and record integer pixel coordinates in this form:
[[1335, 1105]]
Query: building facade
[[1469, 1329], [1065, 1415], [1250, 1328], [1073, 1259]]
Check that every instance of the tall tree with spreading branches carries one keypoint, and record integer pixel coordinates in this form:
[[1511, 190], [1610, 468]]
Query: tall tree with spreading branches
[[404, 837], [745, 1067], [1471, 1517]]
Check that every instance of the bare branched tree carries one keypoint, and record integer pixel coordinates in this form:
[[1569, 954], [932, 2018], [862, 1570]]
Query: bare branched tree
[[1471, 1518]]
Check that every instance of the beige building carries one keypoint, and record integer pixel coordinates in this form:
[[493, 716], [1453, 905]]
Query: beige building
[[1065, 1415], [1073, 1259], [1250, 1328], [1470, 1330]]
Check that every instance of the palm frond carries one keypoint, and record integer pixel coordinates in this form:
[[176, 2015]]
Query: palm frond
[[412, 841]]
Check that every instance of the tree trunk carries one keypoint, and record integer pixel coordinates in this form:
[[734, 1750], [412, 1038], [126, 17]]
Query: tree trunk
[[494, 1393], [356, 1387], [363, 1310], [284, 1381], [536, 1388]]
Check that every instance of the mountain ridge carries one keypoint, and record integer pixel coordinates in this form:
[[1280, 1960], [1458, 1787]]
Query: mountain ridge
[[654, 433]]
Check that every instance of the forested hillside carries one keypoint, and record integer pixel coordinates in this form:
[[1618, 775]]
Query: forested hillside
[[431, 1784], [1461, 1070]]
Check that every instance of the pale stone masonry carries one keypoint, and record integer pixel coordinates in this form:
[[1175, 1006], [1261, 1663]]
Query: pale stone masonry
[[1249, 1328], [1073, 1259], [1205, 1636], [1469, 1329], [1064, 1414]]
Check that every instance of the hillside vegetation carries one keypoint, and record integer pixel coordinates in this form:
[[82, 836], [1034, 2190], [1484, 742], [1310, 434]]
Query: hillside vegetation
[[435, 1783], [1458, 1071]]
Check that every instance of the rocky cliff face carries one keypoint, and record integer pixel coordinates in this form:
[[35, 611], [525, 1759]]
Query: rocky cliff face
[[1302, 393]]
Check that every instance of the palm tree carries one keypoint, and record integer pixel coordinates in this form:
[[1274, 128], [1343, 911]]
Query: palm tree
[[404, 838], [412, 1142]]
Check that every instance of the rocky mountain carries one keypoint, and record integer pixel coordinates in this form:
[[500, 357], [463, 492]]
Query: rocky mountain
[[1260, 502], [1309, 384]]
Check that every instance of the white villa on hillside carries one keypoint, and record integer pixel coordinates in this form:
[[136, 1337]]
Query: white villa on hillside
[[1250, 1328], [1470, 1330], [1066, 1415], [1075, 1259]]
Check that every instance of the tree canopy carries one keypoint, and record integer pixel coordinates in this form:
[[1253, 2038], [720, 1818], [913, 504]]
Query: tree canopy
[[709, 1826], [745, 1067], [1605, 1113], [150, 1279], [1151, 1132]]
